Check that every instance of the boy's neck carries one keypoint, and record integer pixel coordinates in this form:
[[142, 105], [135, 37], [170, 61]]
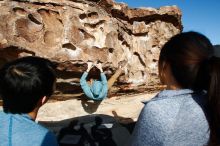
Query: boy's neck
[[33, 114]]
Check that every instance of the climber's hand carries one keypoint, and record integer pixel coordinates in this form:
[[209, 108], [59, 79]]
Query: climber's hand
[[90, 65], [99, 66]]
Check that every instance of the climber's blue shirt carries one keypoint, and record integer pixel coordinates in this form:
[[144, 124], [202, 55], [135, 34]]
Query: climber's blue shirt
[[21, 130], [98, 90]]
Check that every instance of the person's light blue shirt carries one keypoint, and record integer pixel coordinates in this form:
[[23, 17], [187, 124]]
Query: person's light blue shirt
[[173, 118], [98, 90], [21, 130]]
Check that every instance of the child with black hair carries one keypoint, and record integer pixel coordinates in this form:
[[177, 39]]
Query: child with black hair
[[95, 88], [25, 85]]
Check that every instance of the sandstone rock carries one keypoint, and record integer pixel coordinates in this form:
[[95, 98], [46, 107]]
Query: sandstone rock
[[71, 32]]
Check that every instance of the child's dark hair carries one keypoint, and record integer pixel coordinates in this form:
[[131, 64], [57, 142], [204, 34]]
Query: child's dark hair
[[23, 82], [94, 73], [193, 65]]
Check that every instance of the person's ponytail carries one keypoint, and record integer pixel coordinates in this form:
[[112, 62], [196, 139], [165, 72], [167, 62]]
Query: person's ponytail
[[214, 100]]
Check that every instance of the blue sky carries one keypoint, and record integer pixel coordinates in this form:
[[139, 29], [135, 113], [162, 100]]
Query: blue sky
[[197, 15]]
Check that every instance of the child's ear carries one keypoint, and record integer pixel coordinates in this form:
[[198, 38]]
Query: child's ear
[[44, 100]]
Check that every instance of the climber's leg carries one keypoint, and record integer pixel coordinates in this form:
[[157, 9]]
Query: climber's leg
[[117, 73], [114, 77]]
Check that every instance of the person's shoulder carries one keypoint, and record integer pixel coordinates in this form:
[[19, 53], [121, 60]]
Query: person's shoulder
[[28, 124], [49, 139], [28, 129], [41, 134], [167, 103], [38, 128], [170, 96]]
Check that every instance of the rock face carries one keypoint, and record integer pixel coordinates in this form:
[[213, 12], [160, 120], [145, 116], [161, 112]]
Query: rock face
[[70, 32]]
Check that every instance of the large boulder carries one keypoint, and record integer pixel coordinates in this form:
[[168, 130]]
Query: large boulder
[[70, 32]]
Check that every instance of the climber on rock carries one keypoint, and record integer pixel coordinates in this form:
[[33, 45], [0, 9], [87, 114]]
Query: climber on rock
[[95, 88]]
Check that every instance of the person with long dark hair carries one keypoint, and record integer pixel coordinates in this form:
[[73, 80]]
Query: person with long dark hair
[[187, 112]]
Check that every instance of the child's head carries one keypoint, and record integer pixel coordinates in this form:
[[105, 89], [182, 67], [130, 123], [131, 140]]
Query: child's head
[[94, 74], [24, 82], [187, 54]]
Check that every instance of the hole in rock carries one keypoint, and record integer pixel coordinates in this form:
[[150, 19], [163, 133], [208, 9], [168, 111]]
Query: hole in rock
[[31, 17], [19, 11], [82, 16], [111, 50], [69, 46]]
